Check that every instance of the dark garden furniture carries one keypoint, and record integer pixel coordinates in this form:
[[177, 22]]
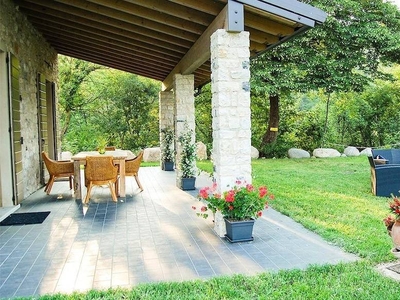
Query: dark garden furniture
[[385, 172]]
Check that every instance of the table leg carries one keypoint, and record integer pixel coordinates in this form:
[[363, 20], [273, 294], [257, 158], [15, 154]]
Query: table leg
[[77, 179], [122, 178]]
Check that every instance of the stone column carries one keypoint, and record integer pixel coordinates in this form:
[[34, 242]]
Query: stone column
[[231, 108], [166, 112], [184, 112]]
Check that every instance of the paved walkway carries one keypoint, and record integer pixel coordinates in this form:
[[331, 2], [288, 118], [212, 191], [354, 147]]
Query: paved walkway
[[148, 237]]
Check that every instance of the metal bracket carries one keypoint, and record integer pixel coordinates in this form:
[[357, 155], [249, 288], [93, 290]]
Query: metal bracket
[[235, 16]]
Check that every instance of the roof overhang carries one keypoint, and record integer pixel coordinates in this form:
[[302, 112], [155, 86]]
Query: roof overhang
[[160, 38]]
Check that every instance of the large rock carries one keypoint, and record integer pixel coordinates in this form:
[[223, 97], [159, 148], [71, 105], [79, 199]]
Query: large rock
[[201, 151], [325, 152], [366, 152], [151, 154], [298, 153], [254, 153], [351, 151]]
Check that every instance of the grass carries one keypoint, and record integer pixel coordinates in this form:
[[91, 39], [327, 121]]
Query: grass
[[329, 196]]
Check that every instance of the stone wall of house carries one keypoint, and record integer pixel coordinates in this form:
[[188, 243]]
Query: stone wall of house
[[35, 55]]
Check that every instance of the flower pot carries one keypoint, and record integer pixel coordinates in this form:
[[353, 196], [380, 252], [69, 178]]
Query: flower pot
[[395, 234], [168, 165], [188, 184], [239, 231]]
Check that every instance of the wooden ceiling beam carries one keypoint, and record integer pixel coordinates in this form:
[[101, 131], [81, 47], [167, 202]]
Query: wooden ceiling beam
[[103, 30], [93, 46], [106, 23], [199, 53], [207, 6], [167, 10], [109, 42], [114, 62], [147, 16], [129, 16]]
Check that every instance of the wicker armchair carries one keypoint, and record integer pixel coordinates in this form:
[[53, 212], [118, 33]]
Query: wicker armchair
[[57, 169], [132, 168], [100, 170]]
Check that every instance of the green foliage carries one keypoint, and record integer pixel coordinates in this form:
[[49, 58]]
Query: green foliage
[[344, 54], [167, 145], [120, 107], [187, 161], [204, 117]]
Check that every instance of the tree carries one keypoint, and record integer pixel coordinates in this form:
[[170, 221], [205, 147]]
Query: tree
[[343, 54], [72, 73]]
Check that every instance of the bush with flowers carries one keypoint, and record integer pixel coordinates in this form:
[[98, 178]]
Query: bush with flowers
[[242, 202], [394, 208]]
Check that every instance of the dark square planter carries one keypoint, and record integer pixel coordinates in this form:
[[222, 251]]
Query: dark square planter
[[239, 231], [188, 184], [168, 165]]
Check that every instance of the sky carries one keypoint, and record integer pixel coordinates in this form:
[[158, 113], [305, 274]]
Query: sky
[[397, 2]]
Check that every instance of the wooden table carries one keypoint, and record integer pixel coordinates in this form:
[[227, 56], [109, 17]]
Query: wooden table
[[119, 157]]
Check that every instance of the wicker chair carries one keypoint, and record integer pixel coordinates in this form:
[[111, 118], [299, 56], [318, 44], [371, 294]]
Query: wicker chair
[[100, 170], [57, 169], [132, 168]]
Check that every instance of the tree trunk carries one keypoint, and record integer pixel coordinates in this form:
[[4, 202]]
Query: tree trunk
[[272, 131]]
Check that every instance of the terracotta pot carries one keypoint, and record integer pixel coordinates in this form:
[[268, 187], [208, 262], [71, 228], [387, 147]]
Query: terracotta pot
[[395, 234]]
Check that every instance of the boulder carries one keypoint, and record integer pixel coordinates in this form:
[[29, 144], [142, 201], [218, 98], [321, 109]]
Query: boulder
[[151, 154], [201, 151], [66, 155], [254, 153], [325, 152], [351, 151], [298, 153], [366, 152]]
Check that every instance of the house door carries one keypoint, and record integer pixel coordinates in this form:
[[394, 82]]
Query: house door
[[6, 173], [15, 138], [46, 121]]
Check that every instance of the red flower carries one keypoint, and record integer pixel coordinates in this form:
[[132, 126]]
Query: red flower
[[204, 193], [230, 196], [250, 187], [259, 213], [262, 191], [203, 208], [231, 207]]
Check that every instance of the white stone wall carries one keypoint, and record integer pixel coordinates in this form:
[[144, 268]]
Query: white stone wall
[[231, 107], [184, 111], [35, 56], [166, 111]]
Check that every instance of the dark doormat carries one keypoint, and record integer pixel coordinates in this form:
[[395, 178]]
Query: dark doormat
[[25, 218], [395, 268]]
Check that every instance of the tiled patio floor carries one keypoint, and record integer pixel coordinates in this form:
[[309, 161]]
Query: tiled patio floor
[[149, 236]]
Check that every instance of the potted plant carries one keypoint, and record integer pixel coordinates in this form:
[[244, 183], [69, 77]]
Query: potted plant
[[167, 149], [187, 162], [392, 224], [240, 206], [101, 145]]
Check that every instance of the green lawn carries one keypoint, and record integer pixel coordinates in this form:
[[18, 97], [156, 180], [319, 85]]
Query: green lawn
[[329, 196]]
